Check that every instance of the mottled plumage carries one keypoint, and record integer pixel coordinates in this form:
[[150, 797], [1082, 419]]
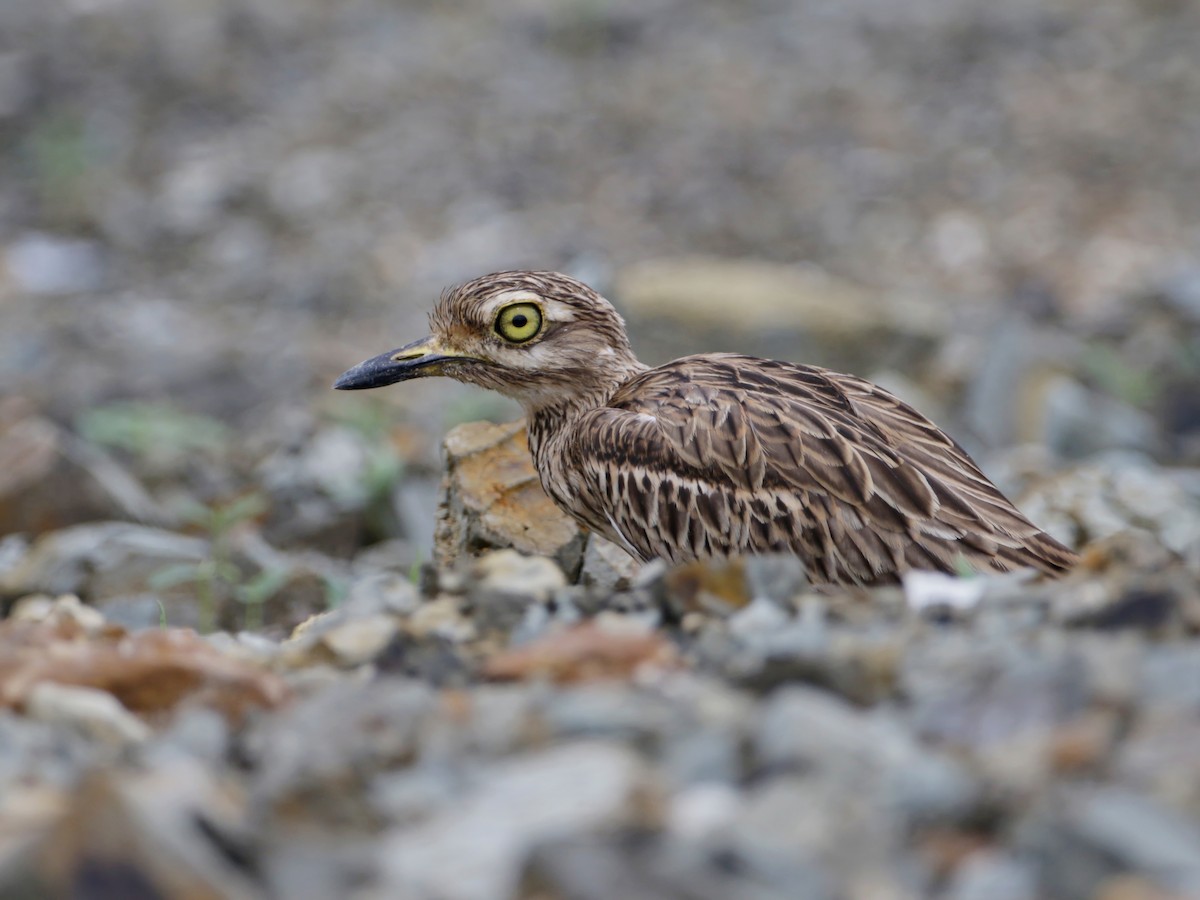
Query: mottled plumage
[[719, 454]]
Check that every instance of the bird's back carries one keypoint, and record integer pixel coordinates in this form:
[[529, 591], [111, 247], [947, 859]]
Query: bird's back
[[721, 454]]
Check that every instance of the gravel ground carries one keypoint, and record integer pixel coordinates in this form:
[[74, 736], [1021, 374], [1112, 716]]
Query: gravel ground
[[261, 640]]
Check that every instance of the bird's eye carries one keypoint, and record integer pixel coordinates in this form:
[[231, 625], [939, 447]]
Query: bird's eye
[[519, 323]]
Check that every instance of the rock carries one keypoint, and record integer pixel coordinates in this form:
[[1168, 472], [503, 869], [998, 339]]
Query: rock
[[816, 733], [790, 311], [65, 612], [339, 639], [330, 489], [1082, 838], [359, 630], [509, 572], [306, 756], [1076, 422], [381, 591], [50, 479], [474, 848], [110, 560], [506, 587], [992, 876], [644, 867], [134, 833], [94, 712], [606, 567], [16, 81], [702, 810], [444, 618], [1119, 493], [861, 667], [491, 499], [360, 640], [150, 672], [50, 266], [713, 587], [938, 591], [585, 652]]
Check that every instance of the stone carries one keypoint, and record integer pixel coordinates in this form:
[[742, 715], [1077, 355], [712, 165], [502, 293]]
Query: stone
[[790, 311], [992, 876], [306, 756], [136, 834], [862, 667], [585, 652], [810, 731], [325, 486], [936, 591], [50, 479], [606, 567], [701, 810], [51, 266], [106, 560], [474, 848], [358, 630], [647, 867], [510, 572], [492, 499], [150, 672], [1083, 837], [94, 712], [360, 640]]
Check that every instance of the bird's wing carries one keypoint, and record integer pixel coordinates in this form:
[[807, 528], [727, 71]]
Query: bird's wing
[[729, 454]]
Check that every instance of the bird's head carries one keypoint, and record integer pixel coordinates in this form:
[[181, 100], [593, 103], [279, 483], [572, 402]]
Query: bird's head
[[538, 337]]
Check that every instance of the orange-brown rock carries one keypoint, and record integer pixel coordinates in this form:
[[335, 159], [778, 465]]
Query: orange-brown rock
[[492, 499]]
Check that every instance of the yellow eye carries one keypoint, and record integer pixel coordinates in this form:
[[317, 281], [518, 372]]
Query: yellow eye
[[519, 323]]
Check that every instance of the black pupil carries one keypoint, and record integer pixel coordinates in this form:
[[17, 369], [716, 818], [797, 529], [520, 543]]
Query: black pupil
[[520, 320]]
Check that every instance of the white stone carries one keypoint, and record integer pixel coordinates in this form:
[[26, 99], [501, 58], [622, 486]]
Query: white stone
[[923, 590], [92, 711], [473, 850]]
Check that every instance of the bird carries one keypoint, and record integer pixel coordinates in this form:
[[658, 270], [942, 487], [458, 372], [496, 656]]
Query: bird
[[718, 455]]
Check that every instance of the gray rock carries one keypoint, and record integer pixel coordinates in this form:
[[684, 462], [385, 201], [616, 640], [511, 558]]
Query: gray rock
[[140, 829], [16, 81], [606, 567], [50, 479], [641, 867], [322, 487], [49, 265], [1090, 835], [474, 849], [992, 876], [810, 731], [106, 559], [347, 731], [609, 711], [809, 312]]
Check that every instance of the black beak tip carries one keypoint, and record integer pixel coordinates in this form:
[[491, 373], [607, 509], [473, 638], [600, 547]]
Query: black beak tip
[[346, 382], [372, 373]]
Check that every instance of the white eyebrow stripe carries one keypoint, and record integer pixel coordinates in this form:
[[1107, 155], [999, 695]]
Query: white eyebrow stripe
[[554, 311]]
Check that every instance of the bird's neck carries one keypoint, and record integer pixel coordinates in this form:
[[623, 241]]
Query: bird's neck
[[551, 416]]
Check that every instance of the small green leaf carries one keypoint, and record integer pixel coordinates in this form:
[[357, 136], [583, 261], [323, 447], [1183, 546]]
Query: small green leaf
[[263, 586], [177, 574]]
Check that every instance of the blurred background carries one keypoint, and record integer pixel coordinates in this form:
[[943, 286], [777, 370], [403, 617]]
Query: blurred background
[[210, 208]]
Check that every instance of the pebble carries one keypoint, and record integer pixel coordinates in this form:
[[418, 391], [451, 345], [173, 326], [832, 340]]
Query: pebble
[[52, 266], [95, 712], [474, 849]]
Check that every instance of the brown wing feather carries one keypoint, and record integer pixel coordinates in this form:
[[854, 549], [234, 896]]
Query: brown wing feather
[[725, 454]]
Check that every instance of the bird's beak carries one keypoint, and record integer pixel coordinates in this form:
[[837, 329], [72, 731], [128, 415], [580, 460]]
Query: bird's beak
[[415, 360]]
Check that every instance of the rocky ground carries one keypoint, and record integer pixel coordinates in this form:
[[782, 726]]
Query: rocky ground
[[262, 640]]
